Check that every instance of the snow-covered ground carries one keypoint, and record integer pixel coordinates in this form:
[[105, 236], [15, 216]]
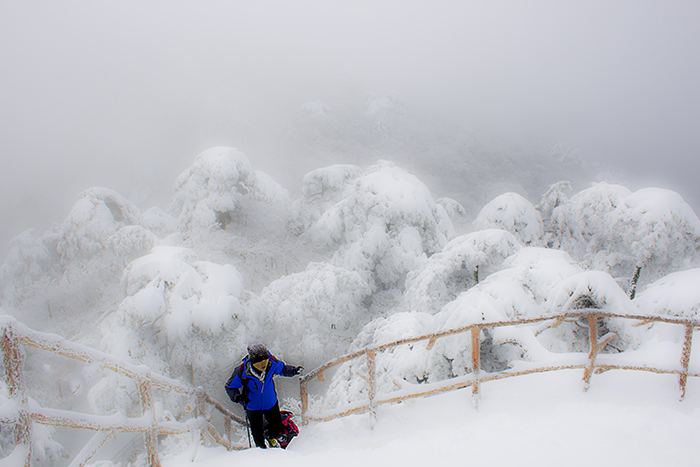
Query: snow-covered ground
[[625, 419]]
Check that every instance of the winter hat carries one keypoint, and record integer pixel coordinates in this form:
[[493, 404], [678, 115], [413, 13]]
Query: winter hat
[[257, 353]]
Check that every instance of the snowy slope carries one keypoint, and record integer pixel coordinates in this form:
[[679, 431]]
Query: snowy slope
[[625, 419]]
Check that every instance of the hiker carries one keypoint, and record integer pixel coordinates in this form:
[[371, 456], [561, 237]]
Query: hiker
[[258, 396]]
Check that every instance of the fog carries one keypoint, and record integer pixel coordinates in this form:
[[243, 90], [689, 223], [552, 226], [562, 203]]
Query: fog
[[125, 94]]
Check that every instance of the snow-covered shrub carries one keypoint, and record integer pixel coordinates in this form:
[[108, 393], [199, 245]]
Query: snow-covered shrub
[[45, 450], [44, 447], [591, 290], [515, 214], [181, 317], [460, 265], [315, 313], [674, 295], [526, 280], [677, 294], [210, 192], [385, 227]]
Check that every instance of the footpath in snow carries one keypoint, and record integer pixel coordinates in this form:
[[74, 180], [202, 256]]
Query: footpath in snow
[[625, 419]]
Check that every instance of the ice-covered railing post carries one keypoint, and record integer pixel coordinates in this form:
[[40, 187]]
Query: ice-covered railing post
[[13, 359], [304, 394], [372, 370], [150, 436], [596, 347], [476, 351], [685, 357]]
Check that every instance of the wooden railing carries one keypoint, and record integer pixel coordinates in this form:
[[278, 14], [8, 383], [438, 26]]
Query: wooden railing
[[16, 334], [477, 377]]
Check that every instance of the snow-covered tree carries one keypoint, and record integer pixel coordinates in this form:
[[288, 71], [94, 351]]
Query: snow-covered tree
[[209, 194], [637, 237], [315, 314], [515, 214], [552, 199], [460, 265], [386, 226], [182, 317], [321, 189], [653, 231], [577, 222], [56, 274]]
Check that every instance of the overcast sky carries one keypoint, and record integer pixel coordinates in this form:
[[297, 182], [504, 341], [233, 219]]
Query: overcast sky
[[100, 93]]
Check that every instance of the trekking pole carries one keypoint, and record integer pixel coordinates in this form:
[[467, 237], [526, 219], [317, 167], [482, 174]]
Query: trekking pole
[[247, 427]]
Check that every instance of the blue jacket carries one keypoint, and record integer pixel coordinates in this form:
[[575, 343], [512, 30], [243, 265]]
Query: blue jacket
[[260, 393]]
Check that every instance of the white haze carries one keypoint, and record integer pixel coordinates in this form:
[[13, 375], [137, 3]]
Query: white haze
[[125, 94]]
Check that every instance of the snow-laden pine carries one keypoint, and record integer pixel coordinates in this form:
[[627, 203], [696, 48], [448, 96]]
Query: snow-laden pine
[[363, 256]]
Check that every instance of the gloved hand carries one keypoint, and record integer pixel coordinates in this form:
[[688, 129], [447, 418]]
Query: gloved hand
[[240, 399], [290, 370]]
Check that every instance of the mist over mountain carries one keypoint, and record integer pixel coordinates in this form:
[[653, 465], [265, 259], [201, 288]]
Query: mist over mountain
[[125, 95]]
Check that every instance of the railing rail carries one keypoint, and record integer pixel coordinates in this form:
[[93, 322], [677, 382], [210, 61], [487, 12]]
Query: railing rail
[[477, 377], [16, 334]]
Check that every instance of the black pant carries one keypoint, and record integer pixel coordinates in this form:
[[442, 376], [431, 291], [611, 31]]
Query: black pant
[[274, 424]]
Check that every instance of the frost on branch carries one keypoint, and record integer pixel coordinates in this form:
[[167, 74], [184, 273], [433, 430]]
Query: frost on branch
[[211, 192], [515, 214], [387, 225], [460, 265]]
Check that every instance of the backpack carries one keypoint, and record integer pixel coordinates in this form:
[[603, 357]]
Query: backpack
[[289, 429]]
